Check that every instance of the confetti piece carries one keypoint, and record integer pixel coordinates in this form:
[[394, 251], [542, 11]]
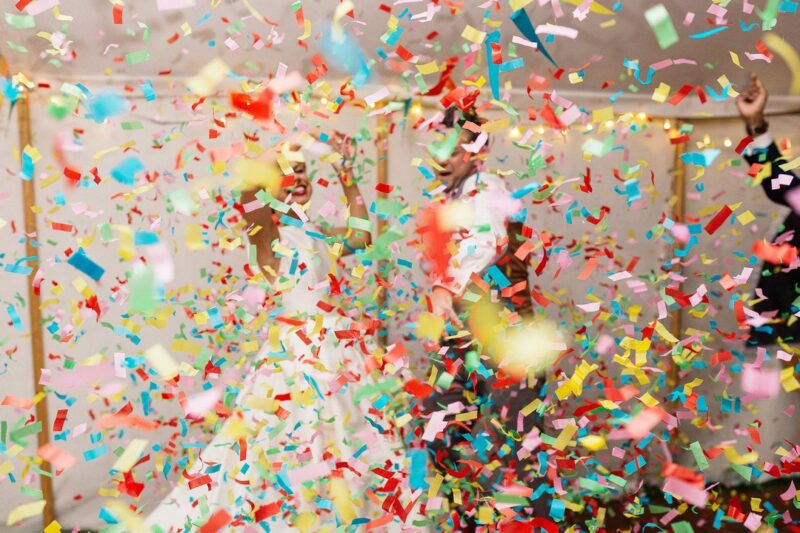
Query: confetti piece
[[660, 22], [211, 75], [24, 511]]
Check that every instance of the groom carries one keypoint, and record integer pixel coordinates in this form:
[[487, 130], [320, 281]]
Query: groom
[[484, 410]]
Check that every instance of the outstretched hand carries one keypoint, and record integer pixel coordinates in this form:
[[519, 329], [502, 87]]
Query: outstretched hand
[[752, 101]]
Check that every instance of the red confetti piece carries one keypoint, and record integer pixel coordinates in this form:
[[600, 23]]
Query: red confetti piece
[[217, 521], [721, 216]]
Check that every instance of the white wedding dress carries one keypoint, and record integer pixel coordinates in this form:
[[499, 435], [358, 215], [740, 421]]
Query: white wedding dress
[[299, 452]]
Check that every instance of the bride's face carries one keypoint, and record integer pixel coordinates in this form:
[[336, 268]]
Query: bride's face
[[296, 187]]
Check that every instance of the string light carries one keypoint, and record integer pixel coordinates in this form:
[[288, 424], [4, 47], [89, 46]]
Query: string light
[[727, 142], [540, 130], [324, 101], [642, 116], [515, 132], [589, 127], [706, 139], [609, 124], [667, 125], [416, 109]]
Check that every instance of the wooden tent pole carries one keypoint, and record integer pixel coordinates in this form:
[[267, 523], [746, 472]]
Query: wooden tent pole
[[382, 145], [34, 308], [679, 214]]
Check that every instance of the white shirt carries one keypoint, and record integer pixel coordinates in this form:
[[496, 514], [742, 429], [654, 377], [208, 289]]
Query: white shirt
[[487, 211]]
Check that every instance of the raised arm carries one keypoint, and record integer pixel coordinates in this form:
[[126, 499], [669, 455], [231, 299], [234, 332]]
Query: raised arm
[[351, 237], [751, 104]]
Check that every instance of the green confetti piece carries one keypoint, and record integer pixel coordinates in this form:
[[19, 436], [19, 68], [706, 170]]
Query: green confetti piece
[[134, 58], [743, 470], [388, 385], [442, 150], [660, 22], [17, 47], [444, 380], [699, 456], [682, 527], [510, 499], [359, 223], [132, 125], [20, 22], [142, 290], [18, 434], [598, 148], [617, 480], [591, 485], [105, 232]]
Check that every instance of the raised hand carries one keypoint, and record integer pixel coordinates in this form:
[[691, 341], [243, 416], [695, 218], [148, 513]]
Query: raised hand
[[752, 101]]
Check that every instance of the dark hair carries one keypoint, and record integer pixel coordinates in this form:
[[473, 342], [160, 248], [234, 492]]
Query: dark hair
[[453, 116]]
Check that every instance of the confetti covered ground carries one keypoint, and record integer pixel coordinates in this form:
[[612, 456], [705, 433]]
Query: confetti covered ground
[[227, 226]]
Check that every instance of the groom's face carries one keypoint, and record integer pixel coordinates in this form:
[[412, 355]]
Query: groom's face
[[461, 164]]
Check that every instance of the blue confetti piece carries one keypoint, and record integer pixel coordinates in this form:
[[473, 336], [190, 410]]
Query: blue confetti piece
[[27, 167], [145, 238], [12, 313], [557, 509], [106, 105], [125, 172], [342, 50], [419, 468], [82, 262], [148, 91], [523, 23], [708, 33], [494, 70]]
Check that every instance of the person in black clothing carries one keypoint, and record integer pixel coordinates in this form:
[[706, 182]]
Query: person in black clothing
[[778, 293]]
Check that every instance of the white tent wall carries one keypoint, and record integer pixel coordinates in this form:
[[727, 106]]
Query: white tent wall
[[16, 364]]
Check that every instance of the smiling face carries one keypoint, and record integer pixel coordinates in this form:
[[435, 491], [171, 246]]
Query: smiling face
[[460, 165], [296, 187]]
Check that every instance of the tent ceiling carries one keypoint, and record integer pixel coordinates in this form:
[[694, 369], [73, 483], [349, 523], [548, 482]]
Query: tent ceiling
[[599, 48]]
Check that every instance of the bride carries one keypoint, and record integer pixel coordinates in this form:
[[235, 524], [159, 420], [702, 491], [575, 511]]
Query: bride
[[299, 452]]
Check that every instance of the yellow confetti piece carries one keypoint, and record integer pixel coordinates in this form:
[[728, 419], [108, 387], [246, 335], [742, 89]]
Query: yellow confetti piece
[[473, 35], [735, 59], [129, 519], [565, 436], [206, 81], [160, 359], [661, 93], [775, 43], [735, 458], [745, 218], [53, 527], [430, 326], [131, 454], [788, 381], [593, 443], [342, 499], [791, 165], [26, 510], [428, 68], [516, 5], [648, 400]]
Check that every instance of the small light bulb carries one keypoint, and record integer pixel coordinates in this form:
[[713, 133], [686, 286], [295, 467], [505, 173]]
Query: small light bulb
[[589, 127], [416, 109], [324, 101], [727, 142], [667, 125], [609, 123], [515, 132], [706, 139], [642, 116], [540, 130]]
